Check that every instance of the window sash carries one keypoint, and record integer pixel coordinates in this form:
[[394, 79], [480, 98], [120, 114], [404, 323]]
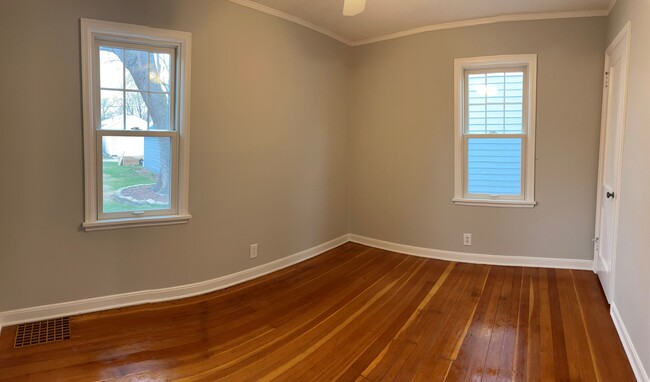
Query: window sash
[[172, 50], [522, 180], [173, 188], [524, 99]]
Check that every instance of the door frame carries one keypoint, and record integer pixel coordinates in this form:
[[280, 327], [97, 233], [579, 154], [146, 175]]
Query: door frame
[[624, 36]]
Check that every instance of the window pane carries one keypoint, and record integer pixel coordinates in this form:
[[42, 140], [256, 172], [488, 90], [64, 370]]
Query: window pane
[[497, 94], [159, 69], [136, 173], [136, 111], [111, 110], [159, 113], [111, 69], [137, 73], [494, 166]]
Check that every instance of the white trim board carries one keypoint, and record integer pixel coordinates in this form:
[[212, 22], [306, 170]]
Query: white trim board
[[426, 28], [475, 258], [70, 308], [635, 361]]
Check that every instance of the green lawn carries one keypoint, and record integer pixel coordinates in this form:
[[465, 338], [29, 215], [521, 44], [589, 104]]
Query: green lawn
[[116, 177]]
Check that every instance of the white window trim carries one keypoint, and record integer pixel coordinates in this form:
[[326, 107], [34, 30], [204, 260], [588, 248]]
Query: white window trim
[[464, 64], [127, 32]]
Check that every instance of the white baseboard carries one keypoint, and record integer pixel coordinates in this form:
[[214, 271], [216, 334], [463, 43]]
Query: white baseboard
[[639, 371], [475, 258], [44, 312]]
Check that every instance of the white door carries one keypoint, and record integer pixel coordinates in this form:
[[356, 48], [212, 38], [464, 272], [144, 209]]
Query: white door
[[611, 154]]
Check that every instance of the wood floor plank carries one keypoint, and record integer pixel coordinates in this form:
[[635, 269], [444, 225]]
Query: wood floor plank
[[431, 309], [559, 344], [422, 289], [601, 329], [581, 365], [546, 329], [510, 325], [520, 364], [495, 347], [469, 362], [353, 313], [444, 349]]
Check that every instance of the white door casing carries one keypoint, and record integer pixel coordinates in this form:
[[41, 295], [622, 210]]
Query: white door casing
[[611, 158]]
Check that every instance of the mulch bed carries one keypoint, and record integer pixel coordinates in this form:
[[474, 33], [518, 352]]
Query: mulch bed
[[145, 193]]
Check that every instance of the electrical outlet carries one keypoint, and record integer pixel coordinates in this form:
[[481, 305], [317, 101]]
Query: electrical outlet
[[467, 239], [253, 251]]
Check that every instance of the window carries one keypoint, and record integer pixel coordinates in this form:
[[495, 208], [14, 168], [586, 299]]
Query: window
[[136, 125], [495, 131]]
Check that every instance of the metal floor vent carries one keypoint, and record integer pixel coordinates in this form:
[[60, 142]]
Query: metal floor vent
[[42, 332]]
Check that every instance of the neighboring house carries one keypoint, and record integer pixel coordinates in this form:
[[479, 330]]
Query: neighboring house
[[152, 154], [147, 148], [124, 146]]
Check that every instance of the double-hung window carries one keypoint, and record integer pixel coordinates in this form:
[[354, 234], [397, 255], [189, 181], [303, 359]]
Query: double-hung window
[[495, 131], [136, 125]]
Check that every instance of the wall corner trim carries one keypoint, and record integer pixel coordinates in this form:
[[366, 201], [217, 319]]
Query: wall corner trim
[[475, 258], [19, 316], [294, 19], [635, 361]]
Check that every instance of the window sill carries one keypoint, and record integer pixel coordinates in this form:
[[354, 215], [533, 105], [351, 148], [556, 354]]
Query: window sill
[[494, 203], [103, 225]]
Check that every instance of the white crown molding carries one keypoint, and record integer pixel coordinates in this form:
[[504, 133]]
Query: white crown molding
[[475, 258], [70, 308], [288, 17], [635, 361], [483, 21], [612, 3], [427, 28]]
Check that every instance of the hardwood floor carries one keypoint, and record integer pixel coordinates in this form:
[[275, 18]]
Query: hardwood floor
[[353, 314]]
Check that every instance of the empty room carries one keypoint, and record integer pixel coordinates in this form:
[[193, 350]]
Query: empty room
[[325, 190]]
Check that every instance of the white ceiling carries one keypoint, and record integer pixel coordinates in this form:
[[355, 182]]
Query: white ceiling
[[383, 18]]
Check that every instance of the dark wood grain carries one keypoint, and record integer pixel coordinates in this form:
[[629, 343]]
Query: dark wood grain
[[352, 314]]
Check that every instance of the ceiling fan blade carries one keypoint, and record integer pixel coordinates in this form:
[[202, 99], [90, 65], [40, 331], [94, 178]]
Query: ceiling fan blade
[[353, 7]]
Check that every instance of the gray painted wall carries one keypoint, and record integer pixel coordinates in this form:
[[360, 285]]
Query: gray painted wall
[[285, 123], [632, 284], [403, 145], [269, 155]]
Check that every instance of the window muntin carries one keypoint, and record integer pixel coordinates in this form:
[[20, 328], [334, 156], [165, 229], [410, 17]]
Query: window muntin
[[495, 102], [494, 145], [136, 125], [146, 80]]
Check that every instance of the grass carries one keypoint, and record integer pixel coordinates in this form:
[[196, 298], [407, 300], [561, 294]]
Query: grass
[[116, 177]]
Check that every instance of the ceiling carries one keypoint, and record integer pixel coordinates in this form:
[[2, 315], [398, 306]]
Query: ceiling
[[384, 18]]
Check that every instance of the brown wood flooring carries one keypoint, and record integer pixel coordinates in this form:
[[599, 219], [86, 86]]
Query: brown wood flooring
[[353, 314]]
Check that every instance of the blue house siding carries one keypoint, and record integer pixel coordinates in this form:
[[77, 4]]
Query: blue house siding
[[494, 166], [152, 154]]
